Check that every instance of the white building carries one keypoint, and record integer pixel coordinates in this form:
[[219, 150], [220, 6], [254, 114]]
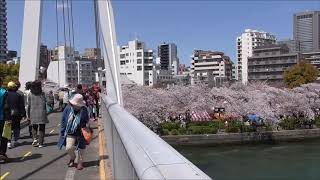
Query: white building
[[68, 69], [245, 45], [168, 58], [207, 66], [136, 62]]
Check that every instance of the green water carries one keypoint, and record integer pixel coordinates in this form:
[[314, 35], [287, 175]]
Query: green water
[[292, 161]]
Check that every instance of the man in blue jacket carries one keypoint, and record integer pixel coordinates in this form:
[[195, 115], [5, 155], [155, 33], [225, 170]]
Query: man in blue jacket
[[3, 115]]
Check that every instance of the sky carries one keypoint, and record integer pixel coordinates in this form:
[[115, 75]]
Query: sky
[[207, 25]]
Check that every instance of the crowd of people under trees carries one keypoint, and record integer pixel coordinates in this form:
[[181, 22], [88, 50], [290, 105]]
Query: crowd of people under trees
[[79, 107]]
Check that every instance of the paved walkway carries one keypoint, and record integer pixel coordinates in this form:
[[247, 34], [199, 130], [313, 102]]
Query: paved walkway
[[35, 163]]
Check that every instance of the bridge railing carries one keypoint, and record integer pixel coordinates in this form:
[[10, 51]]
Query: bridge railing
[[137, 153]]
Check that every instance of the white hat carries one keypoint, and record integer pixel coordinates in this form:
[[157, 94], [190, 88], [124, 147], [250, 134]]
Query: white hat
[[77, 100]]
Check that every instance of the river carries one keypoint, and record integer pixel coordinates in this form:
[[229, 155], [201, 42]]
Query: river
[[292, 161]]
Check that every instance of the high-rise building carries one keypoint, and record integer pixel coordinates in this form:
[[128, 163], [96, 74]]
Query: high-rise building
[[208, 67], [306, 31], [45, 56], [3, 30], [136, 62], [268, 63], [245, 45], [92, 52], [167, 53], [11, 54], [290, 43]]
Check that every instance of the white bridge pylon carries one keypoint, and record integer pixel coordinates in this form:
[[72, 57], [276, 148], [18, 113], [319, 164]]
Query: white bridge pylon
[[31, 41]]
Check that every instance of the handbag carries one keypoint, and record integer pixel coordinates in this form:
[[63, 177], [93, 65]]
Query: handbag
[[7, 131], [87, 135]]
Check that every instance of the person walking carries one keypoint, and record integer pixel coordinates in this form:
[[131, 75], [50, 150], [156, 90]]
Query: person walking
[[50, 101], [26, 95], [3, 117], [17, 111], [74, 118], [37, 113]]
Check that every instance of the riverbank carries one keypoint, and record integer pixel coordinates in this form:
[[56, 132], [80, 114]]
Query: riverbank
[[243, 138]]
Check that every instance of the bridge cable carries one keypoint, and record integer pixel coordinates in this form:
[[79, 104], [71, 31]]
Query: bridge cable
[[69, 29], [97, 32], [57, 31], [71, 7], [64, 28]]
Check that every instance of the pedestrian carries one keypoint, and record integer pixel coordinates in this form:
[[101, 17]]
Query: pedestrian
[[17, 112], [50, 100], [74, 118], [26, 95], [61, 95], [66, 97], [4, 111], [37, 113]]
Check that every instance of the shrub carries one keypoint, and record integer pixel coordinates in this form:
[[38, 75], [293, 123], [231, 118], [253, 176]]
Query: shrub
[[182, 131], [233, 127], [317, 121], [170, 126], [217, 124], [174, 132], [195, 129], [289, 123], [203, 130], [165, 132]]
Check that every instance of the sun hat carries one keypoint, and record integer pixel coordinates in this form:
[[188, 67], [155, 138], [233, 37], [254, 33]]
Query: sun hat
[[11, 84], [77, 100]]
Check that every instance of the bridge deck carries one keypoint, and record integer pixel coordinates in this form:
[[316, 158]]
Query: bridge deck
[[28, 162]]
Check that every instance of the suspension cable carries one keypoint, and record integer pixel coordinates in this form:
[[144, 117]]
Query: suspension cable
[[57, 31], [64, 28], [69, 28], [97, 31], [71, 7]]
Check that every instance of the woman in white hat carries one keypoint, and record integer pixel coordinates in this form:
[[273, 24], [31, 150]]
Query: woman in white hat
[[74, 118]]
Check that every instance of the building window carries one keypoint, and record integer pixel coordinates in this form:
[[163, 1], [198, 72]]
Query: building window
[[122, 62], [139, 61], [139, 54], [122, 56], [139, 68]]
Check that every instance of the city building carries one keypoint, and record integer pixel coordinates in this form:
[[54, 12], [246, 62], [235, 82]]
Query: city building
[[72, 69], [11, 54], [249, 40], [136, 62], [312, 58], [45, 56], [3, 31], [94, 54], [86, 72], [234, 72], [306, 31], [290, 43], [168, 58], [208, 66], [268, 63]]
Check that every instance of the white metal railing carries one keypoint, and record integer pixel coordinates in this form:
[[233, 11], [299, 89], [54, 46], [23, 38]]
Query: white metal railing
[[137, 153]]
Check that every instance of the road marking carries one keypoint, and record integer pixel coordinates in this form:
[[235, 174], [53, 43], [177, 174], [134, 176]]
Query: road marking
[[26, 155], [4, 176], [70, 174], [51, 131]]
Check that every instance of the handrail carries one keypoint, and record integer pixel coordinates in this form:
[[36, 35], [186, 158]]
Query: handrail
[[151, 157]]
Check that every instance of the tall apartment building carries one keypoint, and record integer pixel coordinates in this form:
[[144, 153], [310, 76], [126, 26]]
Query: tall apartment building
[[167, 53], [209, 66], [45, 56], [136, 62], [306, 31], [268, 63], [3, 30], [249, 40], [92, 52]]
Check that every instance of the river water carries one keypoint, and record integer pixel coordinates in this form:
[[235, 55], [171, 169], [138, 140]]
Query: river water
[[292, 161]]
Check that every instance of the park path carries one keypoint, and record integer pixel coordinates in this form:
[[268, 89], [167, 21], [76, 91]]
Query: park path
[[49, 163]]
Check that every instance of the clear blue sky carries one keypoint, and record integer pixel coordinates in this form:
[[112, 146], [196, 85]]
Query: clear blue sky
[[208, 25]]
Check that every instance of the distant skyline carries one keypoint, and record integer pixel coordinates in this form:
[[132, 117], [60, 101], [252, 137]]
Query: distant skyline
[[207, 25]]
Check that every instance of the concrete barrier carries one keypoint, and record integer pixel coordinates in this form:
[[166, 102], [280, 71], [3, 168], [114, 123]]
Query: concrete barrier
[[243, 138]]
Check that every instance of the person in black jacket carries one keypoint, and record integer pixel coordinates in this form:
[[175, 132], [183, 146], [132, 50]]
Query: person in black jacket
[[17, 111]]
